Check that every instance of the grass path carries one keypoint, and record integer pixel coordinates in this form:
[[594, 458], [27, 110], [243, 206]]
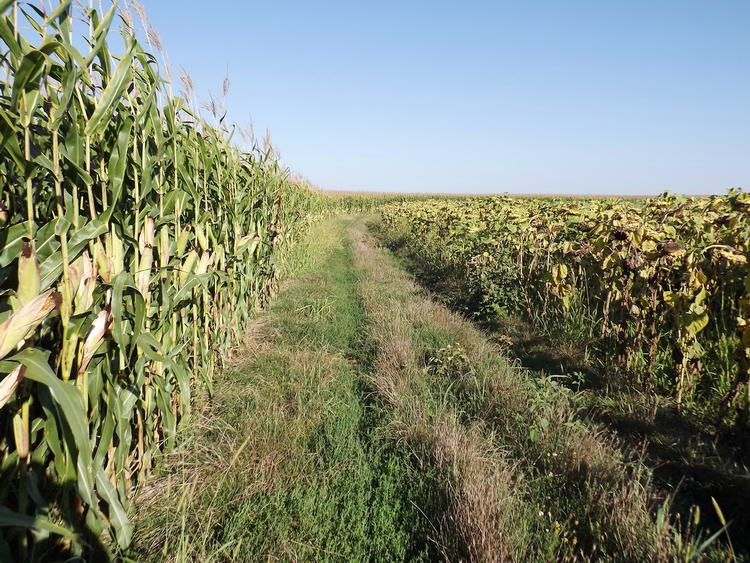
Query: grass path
[[289, 461], [366, 422]]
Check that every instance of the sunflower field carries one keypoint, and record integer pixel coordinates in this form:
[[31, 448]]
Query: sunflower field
[[660, 286]]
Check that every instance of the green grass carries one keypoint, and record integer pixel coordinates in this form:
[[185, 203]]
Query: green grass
[[313, 476]]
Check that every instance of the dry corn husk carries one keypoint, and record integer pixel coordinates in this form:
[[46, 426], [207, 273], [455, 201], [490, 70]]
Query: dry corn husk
[[95, 337], [22, 323], [9, 384]]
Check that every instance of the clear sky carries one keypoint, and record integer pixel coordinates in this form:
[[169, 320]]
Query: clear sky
[[523, 96]]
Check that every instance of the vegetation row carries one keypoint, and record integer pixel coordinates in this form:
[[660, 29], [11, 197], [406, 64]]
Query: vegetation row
[[136, 240], [660, 288]]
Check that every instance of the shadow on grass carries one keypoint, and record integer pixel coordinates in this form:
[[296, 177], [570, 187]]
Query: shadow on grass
[[697, 469]]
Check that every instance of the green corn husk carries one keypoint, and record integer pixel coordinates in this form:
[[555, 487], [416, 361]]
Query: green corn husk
[[188, 266], [20, 436], [29, 279], [103, 262]]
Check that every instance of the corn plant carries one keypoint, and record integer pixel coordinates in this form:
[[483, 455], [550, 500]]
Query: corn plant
[[136, 241]]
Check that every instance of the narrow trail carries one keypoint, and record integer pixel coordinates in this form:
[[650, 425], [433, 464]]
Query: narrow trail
[[366, 422], [290, 461]]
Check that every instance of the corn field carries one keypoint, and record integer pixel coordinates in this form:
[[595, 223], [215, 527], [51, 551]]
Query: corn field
[[136, 241]]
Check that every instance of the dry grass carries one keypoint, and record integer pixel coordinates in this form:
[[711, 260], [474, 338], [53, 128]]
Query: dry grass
[[574, 466], [484, 489], [481, 523]]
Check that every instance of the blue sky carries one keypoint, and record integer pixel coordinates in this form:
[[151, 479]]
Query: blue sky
[[525, 96]]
